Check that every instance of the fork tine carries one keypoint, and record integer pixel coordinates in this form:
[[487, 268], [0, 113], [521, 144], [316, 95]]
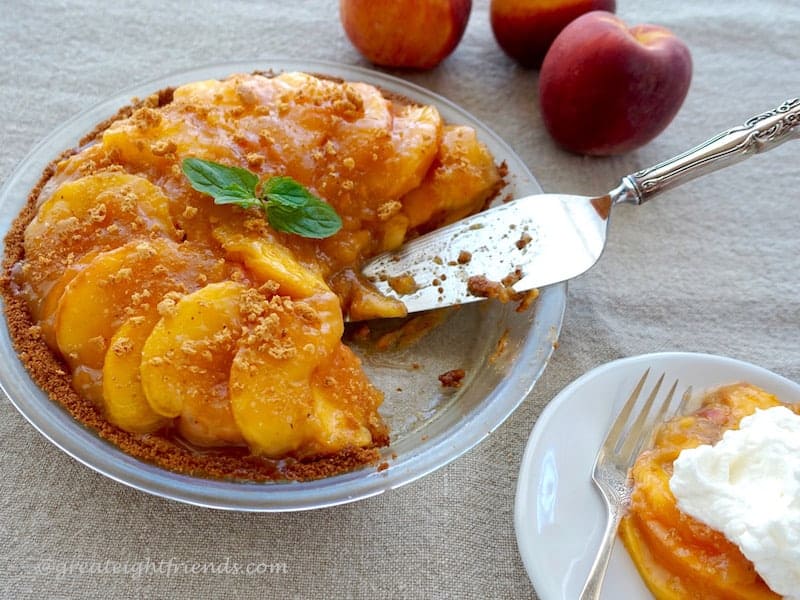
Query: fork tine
[[662, 413], [687, 396], [631, 441], [615, 433], [646, 433]]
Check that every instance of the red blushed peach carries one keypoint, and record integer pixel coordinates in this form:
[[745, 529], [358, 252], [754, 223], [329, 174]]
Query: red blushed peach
[[415, 34], [605, 89], [526, 28]]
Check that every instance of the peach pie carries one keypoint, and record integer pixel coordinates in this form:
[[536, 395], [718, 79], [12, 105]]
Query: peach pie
[[196, 334]]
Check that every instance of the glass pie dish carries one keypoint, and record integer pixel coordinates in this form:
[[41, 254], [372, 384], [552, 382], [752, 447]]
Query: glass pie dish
[[502, 351]]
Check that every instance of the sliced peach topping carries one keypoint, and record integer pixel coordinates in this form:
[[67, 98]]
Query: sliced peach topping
[[129, 281], [462, 178], [89, 215], [185, 363], [284, 342], [345, 405], [268, 260], [123, 396]]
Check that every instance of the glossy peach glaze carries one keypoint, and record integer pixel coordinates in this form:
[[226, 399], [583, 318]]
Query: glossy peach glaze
[[677, 556], [180, 316]]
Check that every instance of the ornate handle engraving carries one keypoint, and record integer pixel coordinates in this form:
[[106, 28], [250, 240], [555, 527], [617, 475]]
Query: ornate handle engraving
[[758, 134], [787, 120]]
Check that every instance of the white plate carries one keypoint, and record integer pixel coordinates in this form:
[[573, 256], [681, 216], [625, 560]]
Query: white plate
[[559, 516]]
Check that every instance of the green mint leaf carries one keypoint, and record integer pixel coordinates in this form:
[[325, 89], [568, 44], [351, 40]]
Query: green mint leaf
[[227, 185], [239, 199], [293, 209], [289, 206]]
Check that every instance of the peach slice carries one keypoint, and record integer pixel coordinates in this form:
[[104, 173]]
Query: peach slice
[[415, 136], [148, 140], [322, 133], [663, 584], [361, 301], [271, 397], [94, 213], [98, 210], [377, 115], [192, 124], [297, 123], [123, 396], [129, 281], [209, 91], [48, 304], [462, 178], [186, 363], [268, 260], [345, 404]]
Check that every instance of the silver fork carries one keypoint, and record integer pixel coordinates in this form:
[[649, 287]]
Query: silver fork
[[616, 456]]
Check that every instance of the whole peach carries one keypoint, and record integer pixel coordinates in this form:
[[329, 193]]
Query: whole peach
[[526, 28], [605, 89], [415, 34]]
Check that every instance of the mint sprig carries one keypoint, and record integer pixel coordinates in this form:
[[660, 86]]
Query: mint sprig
[[287, 204]]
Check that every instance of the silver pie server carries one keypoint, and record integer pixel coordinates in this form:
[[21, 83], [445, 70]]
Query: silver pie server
[[544, 239]]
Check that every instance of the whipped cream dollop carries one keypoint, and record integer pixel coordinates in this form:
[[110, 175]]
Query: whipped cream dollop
[[747, 486]]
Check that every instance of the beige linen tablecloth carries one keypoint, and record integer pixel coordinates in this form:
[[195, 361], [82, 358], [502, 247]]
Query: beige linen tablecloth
[[713, 266]]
